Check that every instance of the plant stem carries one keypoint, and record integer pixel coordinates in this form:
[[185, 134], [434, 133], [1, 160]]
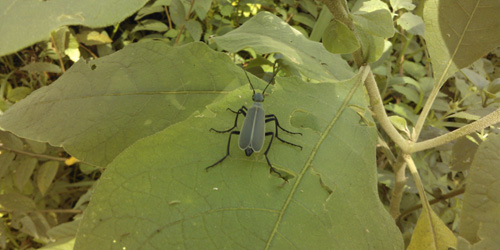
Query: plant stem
[[441, 198], [380, 114], [488, 120], [399, 183], [32, 154]]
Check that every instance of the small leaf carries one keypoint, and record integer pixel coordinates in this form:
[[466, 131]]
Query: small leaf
[[178, 12], [16, 202], [402, 4], [374, 18], [23, 172], [412, 23], [400, 123], [18, 93], [150, 24], [195, 29], [42, 67], [431, 233], [93, 37], [339, 39], [6, 158], [46, 175]]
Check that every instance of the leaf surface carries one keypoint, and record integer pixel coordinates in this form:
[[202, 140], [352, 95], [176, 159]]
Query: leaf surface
[[157, 194], [479, 223], [30, 21], [267, 33], [459, 32], [98, 108]]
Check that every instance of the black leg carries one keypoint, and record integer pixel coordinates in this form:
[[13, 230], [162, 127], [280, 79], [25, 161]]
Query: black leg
[[242, 110], [228, 146], [271, 168], [270, 118]]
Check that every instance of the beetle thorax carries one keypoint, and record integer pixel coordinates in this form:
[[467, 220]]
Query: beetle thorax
[[258, 97]]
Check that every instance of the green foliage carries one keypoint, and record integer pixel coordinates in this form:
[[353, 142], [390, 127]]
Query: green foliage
[[137, 100]]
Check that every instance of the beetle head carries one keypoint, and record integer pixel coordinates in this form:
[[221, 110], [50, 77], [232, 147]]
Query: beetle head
[[249, 151]]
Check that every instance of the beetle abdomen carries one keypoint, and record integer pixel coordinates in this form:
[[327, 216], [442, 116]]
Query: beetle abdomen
[[252, 133]]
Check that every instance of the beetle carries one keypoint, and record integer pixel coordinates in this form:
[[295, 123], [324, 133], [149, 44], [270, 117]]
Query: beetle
[[252, 134]]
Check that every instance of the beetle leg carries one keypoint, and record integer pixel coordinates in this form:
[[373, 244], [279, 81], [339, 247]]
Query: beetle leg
[[243, 110], [277, 125], [271, 168], [227, 154]]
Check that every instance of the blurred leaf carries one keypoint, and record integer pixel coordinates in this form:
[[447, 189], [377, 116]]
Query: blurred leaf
[[18, 93], [93, 37], [400, 123], [402, 4], [339, 39], [409, 92], [431, 233], [416, 70], [11, 141], [45, 175], [23, 172], [159, 185], [16, 202], [31, 21], [267, 33], [374, 18], [178, 12], [195, 29], [479, 222], [42, 67], [462, 153], [6, 158], [310, 6], [98, 108], [480, 81], [465, 115], [201, 7], [36, 147], [373, 46], [155, 7], [412, 23], [305, 19], [321, 24], [64, 244], [459, 32], [150, 24]]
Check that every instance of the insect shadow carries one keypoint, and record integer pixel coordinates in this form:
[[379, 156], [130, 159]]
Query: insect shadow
[[252, 134]]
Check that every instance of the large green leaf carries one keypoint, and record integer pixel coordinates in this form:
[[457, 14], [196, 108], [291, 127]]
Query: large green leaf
[[30, 21], [479, 223], [459, 32], [98, 108], [157, 194], [267, 33]]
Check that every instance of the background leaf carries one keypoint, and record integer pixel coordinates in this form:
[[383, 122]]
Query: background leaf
[[459, 32], [267, 33], [111, 102], [157, 194], [479, 222], [46, 174], [38, 18]]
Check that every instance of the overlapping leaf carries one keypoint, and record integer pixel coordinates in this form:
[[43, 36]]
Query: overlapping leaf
[[30, 21], [157, 194], [98, 108]]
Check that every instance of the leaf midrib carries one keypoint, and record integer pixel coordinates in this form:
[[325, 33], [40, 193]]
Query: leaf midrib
[[310, 159]]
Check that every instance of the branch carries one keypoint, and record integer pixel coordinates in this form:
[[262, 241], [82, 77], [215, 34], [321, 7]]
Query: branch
[[490, 119]]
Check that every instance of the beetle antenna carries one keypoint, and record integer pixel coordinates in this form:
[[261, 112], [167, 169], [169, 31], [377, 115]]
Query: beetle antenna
[[275, 71], [249, 81]]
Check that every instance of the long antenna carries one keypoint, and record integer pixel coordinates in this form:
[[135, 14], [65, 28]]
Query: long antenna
[[275, 71], [249, 81]]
